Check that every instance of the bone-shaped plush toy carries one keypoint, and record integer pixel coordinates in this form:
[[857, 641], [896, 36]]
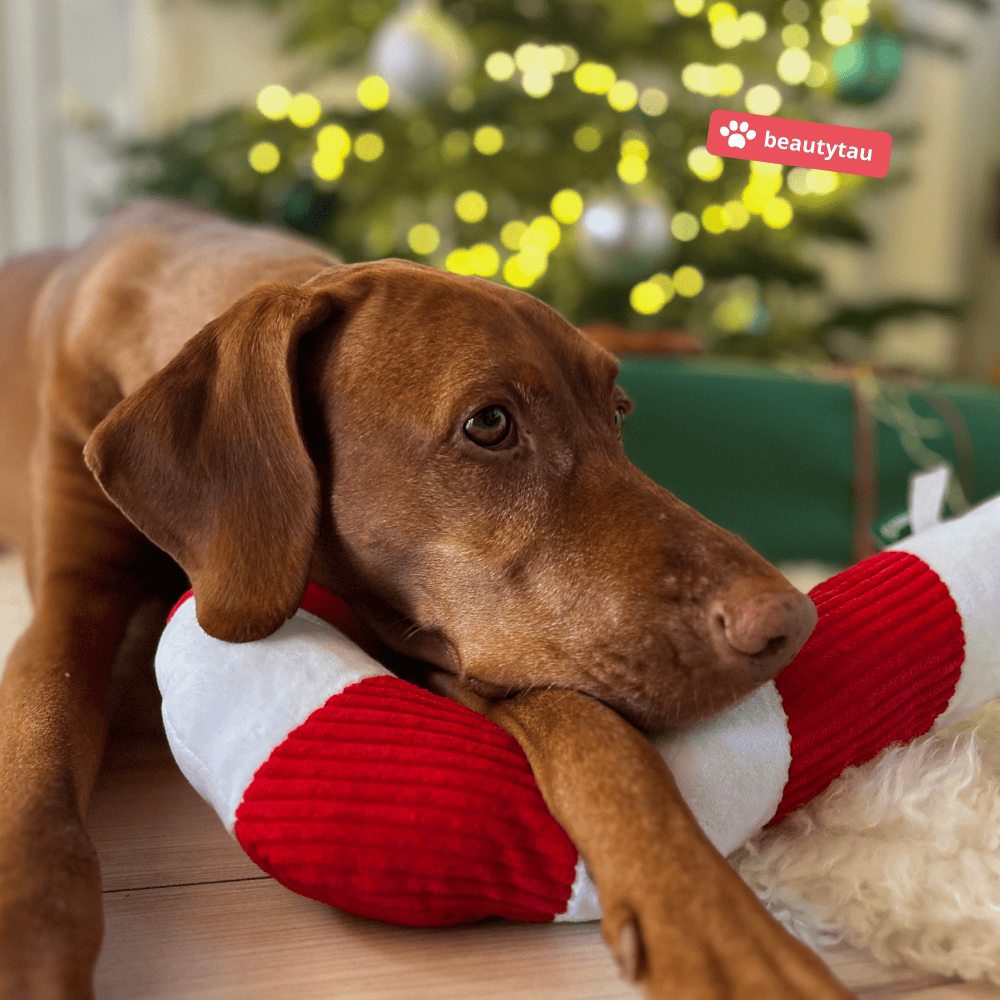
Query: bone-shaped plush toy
[[354, 787]]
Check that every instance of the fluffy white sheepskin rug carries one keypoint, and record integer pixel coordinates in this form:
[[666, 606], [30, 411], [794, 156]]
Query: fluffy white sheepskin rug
[[900, 856]]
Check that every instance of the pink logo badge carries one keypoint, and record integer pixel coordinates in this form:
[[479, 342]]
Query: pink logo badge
[[799, 144]]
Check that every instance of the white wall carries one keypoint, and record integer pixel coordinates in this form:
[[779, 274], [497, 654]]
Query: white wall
[[979, 351], [930, 235], [31, 177], [70, 67], [198, 57], [65, 63]]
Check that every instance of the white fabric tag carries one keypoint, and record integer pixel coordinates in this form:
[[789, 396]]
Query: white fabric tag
[[927, 493]]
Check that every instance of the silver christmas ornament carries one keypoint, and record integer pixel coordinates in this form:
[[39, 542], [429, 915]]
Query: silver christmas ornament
[[622, 238], [420, 52]]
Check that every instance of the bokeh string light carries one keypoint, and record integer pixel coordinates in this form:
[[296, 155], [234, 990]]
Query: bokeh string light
[[534, 67], [577, 171]]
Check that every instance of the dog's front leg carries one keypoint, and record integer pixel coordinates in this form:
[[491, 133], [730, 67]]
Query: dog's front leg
[[50, 891], [678, 920], [87, 583]]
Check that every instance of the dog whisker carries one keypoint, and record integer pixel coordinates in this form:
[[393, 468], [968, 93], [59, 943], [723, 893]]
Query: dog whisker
[[412, 631]]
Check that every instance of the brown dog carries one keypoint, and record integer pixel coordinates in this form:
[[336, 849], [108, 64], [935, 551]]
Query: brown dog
[[444, 453]]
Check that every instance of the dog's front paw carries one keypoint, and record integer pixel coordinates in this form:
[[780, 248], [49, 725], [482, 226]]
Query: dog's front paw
[[732, 952]]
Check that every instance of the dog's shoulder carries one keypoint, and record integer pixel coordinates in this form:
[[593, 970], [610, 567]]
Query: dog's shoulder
[[150, 277]]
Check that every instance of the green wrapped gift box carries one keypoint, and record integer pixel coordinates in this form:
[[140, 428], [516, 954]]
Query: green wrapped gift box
[[771, 455]]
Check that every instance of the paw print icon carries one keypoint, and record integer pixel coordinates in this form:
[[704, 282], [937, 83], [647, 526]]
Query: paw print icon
[[738, 134]]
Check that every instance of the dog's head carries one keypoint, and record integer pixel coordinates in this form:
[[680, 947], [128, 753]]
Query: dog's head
[[446, 454]]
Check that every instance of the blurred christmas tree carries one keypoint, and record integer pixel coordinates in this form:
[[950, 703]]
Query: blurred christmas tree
[[558, 146]]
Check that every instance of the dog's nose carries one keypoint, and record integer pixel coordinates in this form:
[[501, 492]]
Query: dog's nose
[[755, 619]]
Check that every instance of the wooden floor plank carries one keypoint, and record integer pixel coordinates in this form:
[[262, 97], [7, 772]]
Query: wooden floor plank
[[257, 940], [152, 828]]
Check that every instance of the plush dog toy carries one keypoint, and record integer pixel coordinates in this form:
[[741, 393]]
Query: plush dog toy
[[354, 787]]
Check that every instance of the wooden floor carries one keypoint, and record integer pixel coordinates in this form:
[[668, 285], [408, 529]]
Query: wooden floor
[[189, 916]]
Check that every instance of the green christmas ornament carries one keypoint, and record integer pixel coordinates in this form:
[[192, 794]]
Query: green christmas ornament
[[865, 70]]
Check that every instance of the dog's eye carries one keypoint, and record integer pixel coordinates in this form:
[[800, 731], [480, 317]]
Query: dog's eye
[[489, 426], [620, 412]]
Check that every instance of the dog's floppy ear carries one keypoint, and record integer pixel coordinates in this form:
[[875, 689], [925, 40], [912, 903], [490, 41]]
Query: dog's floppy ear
[[207, 459]]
